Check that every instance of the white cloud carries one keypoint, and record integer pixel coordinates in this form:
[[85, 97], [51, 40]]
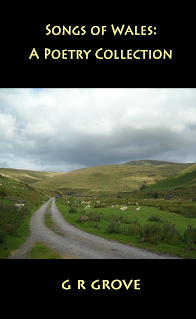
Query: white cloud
[[69, 128], [7, 126]]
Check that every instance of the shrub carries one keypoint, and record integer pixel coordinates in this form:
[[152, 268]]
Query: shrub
[[143, 187], [156, 195], [151, 229], [131, 230], [3, 192], [99, 206], [190, 235], [113, 227], [171, 233], [2, 236], [11, 218], [155, 219], [97, 226], [189, 212], [94, 216], [72, 210], [194, 199]]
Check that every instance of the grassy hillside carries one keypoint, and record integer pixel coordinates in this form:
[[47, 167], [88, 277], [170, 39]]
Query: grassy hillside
[[184, 179], [109, 178], [27, 176], [149, 163], [14, 222]]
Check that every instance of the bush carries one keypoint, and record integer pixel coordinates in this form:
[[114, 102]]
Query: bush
[[97, 226], [2, 236], [143, 187], [189, 212], [171, 233], [72, 210], [155, 219], [99, 206], [156, 195], [113, 227], [131, 230], [3, 192], [11, 218], [190, 235], [194, 199], [94, 216], [151, 229]]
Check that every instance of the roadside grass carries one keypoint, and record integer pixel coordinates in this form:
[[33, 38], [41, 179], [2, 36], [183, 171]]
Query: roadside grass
[[40, 251], [51, 224], [48, 221], [13, 242], [14, 222], [170, 234]]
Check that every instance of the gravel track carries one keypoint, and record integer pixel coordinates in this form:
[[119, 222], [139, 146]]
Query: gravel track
[[76, 243]]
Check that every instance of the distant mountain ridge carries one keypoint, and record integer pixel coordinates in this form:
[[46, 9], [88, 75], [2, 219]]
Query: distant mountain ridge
[[149, 163], [107, 178]]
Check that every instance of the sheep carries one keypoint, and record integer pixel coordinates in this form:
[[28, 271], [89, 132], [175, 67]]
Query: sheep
[[98, 201], [123, 208], [88, 206], [112, 205], [138, 208], [19, 205]]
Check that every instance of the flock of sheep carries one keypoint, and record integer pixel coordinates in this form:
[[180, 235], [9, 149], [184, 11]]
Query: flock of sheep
[[121, 208]]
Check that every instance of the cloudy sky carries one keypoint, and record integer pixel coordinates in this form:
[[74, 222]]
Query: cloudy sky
[[63, 130]]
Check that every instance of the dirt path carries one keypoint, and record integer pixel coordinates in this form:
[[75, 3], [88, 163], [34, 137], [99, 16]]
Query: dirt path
[[76, 243]]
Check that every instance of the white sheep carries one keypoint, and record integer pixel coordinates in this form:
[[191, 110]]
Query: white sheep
[[138, 208], [88, 206], [123, 208], [19, 205]]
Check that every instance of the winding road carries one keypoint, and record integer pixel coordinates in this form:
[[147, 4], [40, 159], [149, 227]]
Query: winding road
[[75, 243]]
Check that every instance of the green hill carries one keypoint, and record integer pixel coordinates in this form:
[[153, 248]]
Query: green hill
[[27, 176], [109, 178], [103, 179], [184, 179], [148, 163]]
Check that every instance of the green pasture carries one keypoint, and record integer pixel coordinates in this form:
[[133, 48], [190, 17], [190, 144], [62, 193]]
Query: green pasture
[[126, 227]]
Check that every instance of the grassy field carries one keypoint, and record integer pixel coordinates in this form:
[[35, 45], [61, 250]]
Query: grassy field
[[161, 230], [109, 178]]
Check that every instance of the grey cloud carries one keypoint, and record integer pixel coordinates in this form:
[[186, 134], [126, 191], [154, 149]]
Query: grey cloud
[[63, 130]]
